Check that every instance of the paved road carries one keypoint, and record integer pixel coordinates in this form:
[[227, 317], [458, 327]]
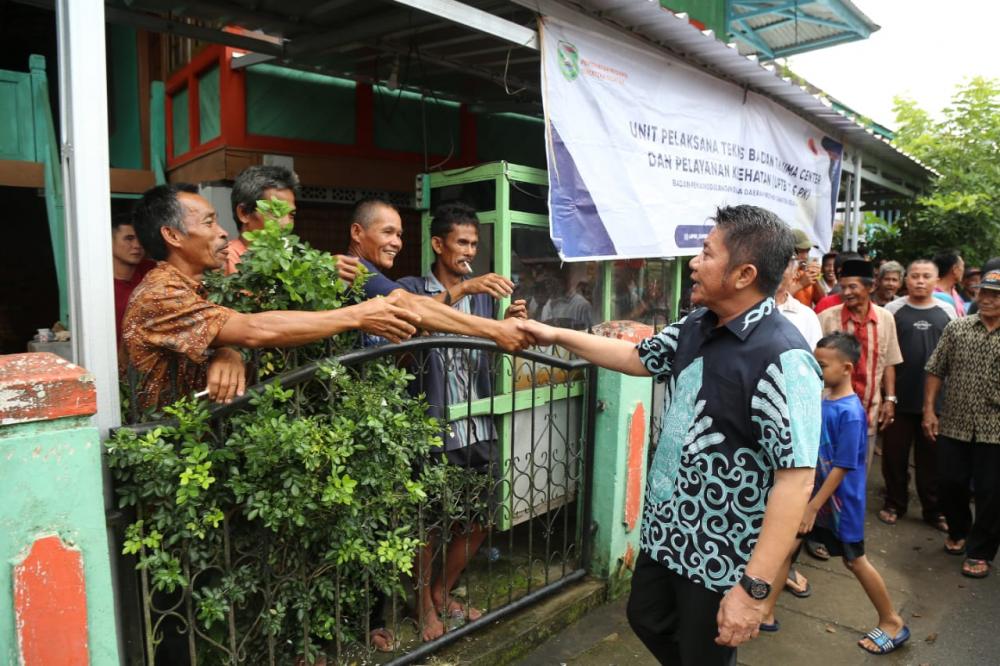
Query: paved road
[[953, 620]]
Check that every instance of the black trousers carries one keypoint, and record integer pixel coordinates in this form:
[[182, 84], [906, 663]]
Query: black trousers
[[959, 463], [904, 433], [675, 618]]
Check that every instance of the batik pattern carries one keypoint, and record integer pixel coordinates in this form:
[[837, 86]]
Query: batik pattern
[[708, 487]]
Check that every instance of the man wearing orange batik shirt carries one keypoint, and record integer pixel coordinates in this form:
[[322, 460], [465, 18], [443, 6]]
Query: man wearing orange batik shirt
[[874, 377]]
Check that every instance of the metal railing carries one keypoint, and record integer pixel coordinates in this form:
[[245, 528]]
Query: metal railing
[[521, 435]]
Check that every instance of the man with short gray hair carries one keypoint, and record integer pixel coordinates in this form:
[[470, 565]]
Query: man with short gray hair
[[890, 279], [253, 184]]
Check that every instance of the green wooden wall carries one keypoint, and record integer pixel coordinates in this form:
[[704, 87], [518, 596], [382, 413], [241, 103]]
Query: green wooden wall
[[290, 104], [123, 98], [512, 138]]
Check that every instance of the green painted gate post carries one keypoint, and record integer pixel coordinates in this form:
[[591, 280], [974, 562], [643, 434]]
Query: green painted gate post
[[621, 436], [47, 152], [57, 604]]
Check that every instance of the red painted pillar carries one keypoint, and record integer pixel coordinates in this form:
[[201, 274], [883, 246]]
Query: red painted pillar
[[50, 606], [633, 480]]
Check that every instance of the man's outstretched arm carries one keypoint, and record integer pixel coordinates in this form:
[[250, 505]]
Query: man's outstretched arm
[[609, 353], [438, 317], [289, 328]]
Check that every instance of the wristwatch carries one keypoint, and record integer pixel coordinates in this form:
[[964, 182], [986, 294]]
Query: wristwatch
[[757, 588], [891, 398]]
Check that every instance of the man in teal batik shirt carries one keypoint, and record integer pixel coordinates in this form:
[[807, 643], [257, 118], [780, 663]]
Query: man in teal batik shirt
[[733, 469]]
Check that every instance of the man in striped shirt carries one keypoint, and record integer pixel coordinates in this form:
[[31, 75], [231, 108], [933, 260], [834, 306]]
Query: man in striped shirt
[[451, 376]]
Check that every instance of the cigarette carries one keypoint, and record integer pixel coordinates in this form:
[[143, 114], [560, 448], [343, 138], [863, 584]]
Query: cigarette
[[467, 265], [201, 394]]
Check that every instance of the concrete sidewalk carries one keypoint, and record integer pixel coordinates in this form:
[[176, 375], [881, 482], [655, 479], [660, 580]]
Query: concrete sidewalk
[[952, 618]]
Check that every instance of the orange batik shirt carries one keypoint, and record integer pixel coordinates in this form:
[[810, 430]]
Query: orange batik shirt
[[167, 333]]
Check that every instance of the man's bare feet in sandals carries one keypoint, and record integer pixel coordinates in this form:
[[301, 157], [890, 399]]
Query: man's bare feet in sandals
[[457, 609], [797, 584], [956, 547], [889, 516], [382, 639]]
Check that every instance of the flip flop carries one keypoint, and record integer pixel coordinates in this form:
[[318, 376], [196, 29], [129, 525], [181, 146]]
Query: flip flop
[[793, 576], [940, 524], [458, 610], [817, 550], [888, 516], [958, 550], [883, 642], [973, 562], [386, 641], [770, 627]]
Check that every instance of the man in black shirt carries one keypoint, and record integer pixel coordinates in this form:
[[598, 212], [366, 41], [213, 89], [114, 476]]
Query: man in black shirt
[[920, 320]]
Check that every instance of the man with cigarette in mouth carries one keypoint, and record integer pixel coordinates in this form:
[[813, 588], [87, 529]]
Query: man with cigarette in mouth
[[454, 377]]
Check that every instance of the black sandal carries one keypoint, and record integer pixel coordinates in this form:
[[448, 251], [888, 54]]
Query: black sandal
[[793, 578], [817, 550]]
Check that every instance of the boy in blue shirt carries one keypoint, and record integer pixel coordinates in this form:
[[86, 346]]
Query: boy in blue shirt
[[835, 516]]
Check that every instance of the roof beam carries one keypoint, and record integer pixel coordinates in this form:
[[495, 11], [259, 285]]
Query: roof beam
[[153, 23], [477, 19], [848, 17], [372, 27], [877, 179], [832, 40], [792, 17], [748, 35], [472, 70], [756, 9]]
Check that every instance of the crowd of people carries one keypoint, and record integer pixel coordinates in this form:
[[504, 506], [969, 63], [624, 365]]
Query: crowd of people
[[781, 383]]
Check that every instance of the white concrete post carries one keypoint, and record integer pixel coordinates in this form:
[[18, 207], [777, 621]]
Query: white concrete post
[[83, 115], [857, 202]]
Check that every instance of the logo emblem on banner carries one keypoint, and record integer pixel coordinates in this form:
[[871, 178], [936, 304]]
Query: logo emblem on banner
[[569, 61]]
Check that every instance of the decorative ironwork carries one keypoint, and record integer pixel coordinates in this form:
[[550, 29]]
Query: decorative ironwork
[[517, 519]]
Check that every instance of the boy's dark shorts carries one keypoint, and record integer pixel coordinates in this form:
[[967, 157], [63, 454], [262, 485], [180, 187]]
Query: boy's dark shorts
[[836, 547]]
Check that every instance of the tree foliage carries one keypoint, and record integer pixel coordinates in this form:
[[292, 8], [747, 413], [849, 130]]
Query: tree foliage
[[959, 210]]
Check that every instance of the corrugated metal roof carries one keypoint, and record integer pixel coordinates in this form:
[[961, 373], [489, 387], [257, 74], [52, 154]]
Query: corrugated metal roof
[[776, 29], [364, 38]]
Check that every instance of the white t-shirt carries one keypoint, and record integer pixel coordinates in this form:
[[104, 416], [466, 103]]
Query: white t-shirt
[[804, 319], [894, 306]]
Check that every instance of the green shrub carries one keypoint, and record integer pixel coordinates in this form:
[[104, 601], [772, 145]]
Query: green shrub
[[275, 519]]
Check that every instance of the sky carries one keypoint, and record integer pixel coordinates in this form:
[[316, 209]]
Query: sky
[[922, 51]]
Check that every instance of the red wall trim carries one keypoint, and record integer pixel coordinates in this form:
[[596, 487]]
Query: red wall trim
[[233, 120]]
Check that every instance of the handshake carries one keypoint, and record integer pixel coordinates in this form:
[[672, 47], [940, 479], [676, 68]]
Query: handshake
[[393, 318]]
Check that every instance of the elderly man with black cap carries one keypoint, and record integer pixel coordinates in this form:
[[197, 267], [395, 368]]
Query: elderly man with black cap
[[875, 329], [967, 431]]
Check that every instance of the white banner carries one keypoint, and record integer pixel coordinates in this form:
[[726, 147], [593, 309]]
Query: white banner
[[642, 149]]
